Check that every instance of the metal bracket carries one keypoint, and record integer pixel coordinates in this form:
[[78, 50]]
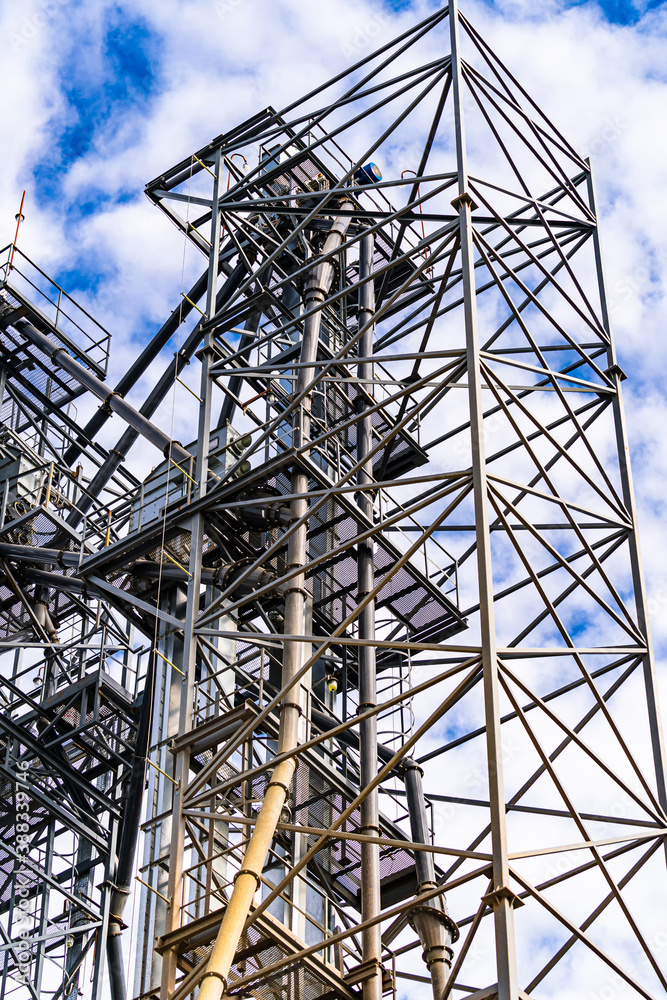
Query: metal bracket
[[464, 199], [367, 969], [618, 371], [492, 899]]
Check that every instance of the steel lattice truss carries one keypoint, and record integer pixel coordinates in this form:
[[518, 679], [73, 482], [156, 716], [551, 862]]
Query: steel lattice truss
[[402, 546]]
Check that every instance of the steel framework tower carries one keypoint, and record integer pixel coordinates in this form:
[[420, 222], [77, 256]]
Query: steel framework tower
[[374, 645]]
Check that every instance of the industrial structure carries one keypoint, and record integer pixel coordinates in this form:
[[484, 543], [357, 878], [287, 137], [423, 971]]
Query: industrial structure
[[353, 694]]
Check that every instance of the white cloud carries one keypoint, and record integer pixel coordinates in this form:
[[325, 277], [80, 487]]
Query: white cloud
[[604, 86]]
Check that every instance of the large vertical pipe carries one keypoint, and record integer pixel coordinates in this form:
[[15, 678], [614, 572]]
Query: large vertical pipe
[[316, 288], [424, 864], [436, 930], [371, 941], [501, 897], [247, 880]]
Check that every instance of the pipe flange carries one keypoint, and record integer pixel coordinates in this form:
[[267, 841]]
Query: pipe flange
[[169, 448], [370, 831], [247, 871], [52, 356], [217, 975], [106, 403], [289, 566], [442, 917], [412, 765], [293, 705], [279, 784], [296, 590]]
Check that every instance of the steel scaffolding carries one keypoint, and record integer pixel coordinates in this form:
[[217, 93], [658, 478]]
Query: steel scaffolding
[[370, 655]]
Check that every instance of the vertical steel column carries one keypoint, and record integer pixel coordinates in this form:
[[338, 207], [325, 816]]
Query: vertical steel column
[[83, 889], [182, 761], [371, 941], [99, 958], [157, 844], [41, 958], [127, 841], [641, 603], [501, 897], [247, 881]]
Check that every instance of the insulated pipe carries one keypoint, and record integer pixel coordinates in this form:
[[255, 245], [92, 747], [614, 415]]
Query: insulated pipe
[[247, 881], [435, 928], [127, 840], [60, 357], [371, 939]]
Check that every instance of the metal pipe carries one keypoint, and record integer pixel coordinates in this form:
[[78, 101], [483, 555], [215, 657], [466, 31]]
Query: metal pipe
[[127, 840], [136, 370], [32, 553], [371, 941], [155, 397], [433, 925], [418, 824], [221, 576], [117, 988], [247, 881], [59, 356]]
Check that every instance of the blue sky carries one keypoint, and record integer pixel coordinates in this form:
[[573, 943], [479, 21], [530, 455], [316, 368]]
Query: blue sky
[[105, 96], [615, 11], [622, 12], [100, 92], [95, 96], [119, 75]]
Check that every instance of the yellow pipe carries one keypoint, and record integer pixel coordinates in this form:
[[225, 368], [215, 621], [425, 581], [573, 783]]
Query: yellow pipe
[[246, 883]]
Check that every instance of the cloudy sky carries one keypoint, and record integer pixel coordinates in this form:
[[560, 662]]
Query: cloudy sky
[[100, 98]]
